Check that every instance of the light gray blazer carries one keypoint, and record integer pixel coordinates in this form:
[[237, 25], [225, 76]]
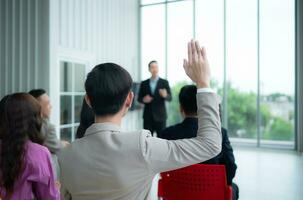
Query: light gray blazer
[[52, 142], [113, 165]]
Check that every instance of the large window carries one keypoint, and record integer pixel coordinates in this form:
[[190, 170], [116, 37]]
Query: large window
[[71, 97], [153, 38], [250, 46], [241, 68], [277, 61]]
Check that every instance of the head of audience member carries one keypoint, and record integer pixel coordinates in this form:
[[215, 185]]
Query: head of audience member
[[108, 91], [153, 68], [187, 101], [87, 118], [21, 122], [2, 106], [44, 101]]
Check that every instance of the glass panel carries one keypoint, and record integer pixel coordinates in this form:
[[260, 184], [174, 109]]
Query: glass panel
[[210, 32], [143, 2], [79, 77], [179, 31], [66, 134], [153, 38], [277, 65], [65, 109], [241, 35], [78, 106], [65, 77]]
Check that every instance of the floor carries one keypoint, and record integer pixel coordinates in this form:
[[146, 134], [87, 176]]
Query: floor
[[266, 174]]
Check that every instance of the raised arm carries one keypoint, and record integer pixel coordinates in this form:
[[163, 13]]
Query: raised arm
[[162, 155]]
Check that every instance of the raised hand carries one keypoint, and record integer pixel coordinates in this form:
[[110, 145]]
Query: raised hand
[[197, 67]]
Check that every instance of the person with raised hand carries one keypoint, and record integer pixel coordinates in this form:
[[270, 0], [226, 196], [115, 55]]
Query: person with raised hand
[[108, 163]]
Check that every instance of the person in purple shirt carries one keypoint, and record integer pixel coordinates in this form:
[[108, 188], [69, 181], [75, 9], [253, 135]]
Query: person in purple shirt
[[25, 165]]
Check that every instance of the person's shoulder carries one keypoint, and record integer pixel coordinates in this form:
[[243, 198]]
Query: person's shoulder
[[163, 80], [145, 81], [36, 153], [47, 125], [135, 136], [168, 131], [37, 148]]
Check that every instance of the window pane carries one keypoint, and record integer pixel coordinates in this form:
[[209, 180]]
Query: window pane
[[210, 32], [79, 77], [179, 31], [153, 38], [78, 106], [66, 109], [65, 77], [66, 134], [241, 35], [277, 65]]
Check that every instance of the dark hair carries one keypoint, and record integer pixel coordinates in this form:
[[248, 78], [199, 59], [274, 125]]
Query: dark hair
[[107, 87], [151, 62], [2, 106], [22, 121], [187, 99], [87, 118], [37, 92]]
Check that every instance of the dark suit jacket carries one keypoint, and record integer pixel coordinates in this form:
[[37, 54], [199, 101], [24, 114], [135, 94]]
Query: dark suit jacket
[[156, 109], [188, 129]]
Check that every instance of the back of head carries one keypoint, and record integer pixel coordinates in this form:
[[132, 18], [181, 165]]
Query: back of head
[[21, 121], [87, 118], [187, 99], [37, 92], [107, 87]]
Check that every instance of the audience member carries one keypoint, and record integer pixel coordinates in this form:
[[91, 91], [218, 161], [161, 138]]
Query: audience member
[[153, 93], [189, 127], [48, 130], [25, 165], [108, 163], [87, 118]]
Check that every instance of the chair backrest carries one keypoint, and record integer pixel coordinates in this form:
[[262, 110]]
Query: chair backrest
[[195, 182]]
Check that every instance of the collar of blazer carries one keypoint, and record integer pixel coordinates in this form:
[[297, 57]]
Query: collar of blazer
[[100, 127]]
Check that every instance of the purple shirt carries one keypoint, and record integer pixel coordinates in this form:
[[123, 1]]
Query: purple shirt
[[37, 176]]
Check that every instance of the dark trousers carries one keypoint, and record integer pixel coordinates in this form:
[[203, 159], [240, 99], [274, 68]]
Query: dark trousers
[[235, 191], [154, 126]]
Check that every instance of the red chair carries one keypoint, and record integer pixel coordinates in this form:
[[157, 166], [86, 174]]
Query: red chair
[[196, 182]]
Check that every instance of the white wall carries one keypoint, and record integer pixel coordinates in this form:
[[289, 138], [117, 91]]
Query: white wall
[[94, 31], [24, 45]]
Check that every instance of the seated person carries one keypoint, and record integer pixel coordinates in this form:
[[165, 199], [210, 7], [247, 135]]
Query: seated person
[[108, 163], [25, 165], [188, 129], [48, 130]]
